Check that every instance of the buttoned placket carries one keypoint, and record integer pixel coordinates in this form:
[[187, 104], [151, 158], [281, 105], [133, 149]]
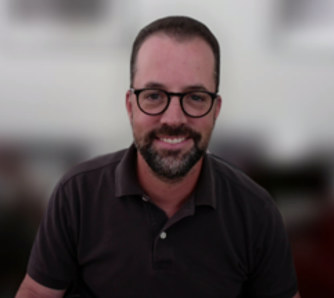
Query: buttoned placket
[[162, 248]]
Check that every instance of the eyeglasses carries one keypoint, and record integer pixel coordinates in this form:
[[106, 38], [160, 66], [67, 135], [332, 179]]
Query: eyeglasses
[[154, 102]]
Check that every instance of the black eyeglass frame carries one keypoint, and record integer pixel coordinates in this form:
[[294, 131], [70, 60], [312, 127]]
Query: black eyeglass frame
[[169, 95]]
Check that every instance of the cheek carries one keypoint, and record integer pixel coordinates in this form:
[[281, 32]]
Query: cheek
[[205, 129], [205, 125], [141, 123]]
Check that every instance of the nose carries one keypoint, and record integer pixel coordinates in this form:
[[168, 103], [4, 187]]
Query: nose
[[174, 114]]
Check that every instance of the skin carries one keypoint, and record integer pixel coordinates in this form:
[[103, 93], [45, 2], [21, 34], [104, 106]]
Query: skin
[[175, 66], [32, 289]]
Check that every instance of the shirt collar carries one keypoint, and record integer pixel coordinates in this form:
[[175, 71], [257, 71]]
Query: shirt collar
[[126, 182], [205, 192]]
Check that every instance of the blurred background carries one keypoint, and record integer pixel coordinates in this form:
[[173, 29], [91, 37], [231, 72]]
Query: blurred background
[[63, 77]]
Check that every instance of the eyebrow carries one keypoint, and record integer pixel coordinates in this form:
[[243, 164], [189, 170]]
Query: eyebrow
[[187, 88]]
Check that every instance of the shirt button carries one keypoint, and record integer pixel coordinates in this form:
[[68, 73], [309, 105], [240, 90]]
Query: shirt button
[[163, 235], [145, 199]]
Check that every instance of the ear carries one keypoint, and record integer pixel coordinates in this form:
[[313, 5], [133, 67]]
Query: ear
[[218, 104], [128, 103]]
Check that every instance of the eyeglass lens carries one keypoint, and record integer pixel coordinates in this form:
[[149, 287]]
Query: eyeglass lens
[[154, 101]]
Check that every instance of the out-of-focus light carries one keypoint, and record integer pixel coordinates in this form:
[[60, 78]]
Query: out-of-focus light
[[57, 10], [307, 25]]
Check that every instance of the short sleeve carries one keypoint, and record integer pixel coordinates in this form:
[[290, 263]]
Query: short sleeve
[[53, 257], [273, 273]]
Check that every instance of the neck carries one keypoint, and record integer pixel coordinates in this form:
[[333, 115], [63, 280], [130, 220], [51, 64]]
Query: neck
[[169, 195]]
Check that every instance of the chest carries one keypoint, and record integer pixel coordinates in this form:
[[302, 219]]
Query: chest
[[133, 250]]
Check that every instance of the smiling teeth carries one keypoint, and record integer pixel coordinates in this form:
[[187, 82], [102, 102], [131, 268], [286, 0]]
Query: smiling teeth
[[173, 141]]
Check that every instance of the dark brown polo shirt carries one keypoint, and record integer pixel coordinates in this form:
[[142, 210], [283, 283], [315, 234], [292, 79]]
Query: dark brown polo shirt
[[103, 237]]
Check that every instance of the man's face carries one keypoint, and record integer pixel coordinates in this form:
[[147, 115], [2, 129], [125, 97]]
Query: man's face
[[172, 143]]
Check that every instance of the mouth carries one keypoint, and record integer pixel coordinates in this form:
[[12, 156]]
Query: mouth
[[172, 140]]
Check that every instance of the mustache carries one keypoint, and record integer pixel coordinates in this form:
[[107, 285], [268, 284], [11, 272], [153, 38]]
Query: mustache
[[174, 131]]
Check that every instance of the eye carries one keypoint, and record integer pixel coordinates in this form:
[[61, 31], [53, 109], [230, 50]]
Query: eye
[[198, 97], [153, 95]]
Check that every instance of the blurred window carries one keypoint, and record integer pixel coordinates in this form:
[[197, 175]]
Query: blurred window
[[306, 24], [56, 9], [308, 12]]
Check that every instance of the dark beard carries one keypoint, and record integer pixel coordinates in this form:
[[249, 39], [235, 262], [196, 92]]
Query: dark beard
[[171, 164]]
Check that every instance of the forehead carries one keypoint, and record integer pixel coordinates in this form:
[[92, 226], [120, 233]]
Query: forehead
[[173, 61]]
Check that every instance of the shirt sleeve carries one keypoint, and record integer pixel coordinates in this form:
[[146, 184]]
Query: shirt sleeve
[[273, 273], [53, 258]]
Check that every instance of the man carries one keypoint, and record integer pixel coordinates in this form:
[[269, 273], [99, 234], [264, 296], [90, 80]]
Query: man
[[163, 218]]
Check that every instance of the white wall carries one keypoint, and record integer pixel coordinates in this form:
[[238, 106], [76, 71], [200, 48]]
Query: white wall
[[68, 81]]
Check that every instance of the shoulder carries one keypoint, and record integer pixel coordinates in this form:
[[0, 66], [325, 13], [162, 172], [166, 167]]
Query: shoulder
[[94, 167], [244, 205], [234, 176], [238, 189], [86, 184]]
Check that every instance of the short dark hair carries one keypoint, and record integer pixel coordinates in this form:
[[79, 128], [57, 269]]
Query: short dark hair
[[179, 27]]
